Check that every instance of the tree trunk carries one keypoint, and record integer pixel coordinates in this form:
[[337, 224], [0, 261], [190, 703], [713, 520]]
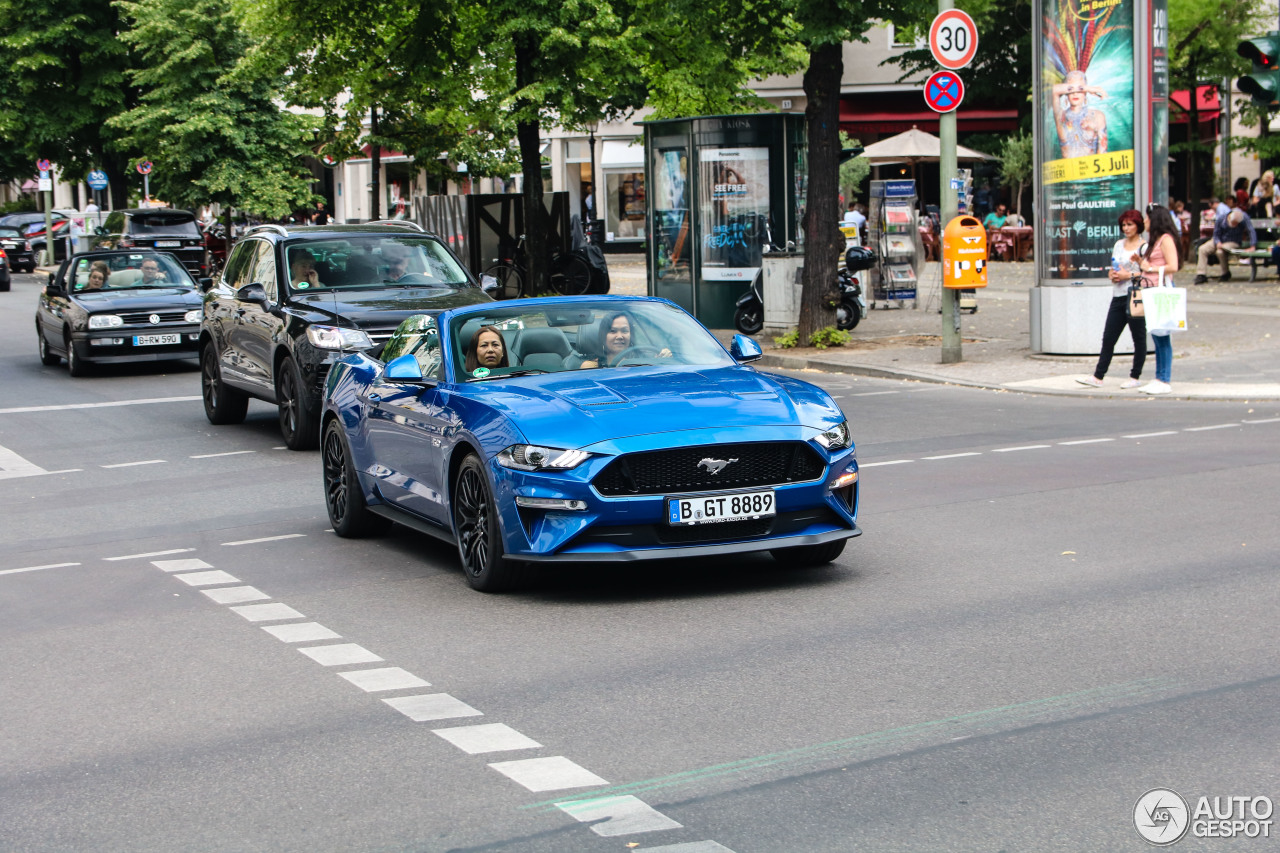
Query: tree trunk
[[375, 155], [823, 241], [535, 220], [117, 175]]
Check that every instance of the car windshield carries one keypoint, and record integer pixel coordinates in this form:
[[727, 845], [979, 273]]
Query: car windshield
[[9, 233], [373, 261], [512, 340], [131, 271], [163, 223]]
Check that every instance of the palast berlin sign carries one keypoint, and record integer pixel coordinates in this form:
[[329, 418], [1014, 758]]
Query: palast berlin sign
[[943, 91]]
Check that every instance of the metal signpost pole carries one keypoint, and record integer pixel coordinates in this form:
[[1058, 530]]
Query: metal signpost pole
[[947, 207], [46, 187]]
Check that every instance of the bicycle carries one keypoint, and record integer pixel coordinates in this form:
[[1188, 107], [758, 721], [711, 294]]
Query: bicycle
[[570, 274]]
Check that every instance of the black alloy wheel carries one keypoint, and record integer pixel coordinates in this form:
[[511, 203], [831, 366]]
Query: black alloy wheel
[[348, 511], [222, 405], [475, 522], [297, 422], [75, 365], [47, 358]]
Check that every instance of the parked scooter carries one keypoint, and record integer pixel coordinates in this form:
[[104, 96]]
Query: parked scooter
[[853, 300], [748, 316]]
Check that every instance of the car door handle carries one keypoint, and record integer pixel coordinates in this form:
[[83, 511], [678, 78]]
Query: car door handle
[[240, 312], [374, 399]]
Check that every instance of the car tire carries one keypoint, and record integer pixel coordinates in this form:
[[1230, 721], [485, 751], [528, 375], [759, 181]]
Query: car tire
[[47, 358], [5, 283], [298, 423], [805, 556], [222, 404], [475, 524], [343, 497], [76, 366]]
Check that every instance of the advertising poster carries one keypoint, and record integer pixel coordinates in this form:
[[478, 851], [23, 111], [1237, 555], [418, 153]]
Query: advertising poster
[[734, 185], [1087, 132]]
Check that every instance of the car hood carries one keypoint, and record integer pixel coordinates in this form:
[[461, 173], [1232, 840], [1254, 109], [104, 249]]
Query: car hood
[[138, 300], [384, 306], [588, 407]]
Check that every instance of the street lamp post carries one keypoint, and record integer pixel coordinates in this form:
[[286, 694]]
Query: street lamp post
[[592, 127]]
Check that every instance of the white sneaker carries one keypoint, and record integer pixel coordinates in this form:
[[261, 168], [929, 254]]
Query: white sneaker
[[1156, 387], [1130, 383], [1091, 381]]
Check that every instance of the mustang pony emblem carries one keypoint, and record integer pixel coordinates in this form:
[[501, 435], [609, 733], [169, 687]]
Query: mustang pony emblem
[[715, 466]]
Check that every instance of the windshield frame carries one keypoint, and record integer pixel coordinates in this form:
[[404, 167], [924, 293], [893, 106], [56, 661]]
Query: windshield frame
[[175, 275]]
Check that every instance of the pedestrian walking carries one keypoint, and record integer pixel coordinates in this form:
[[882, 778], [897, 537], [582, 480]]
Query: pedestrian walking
[[1159, 262], [1125, 267]]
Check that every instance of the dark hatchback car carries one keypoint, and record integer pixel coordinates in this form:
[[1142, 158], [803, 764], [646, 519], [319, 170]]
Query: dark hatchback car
[[118, 306], [292, 301], [166, 230], [17, 249]]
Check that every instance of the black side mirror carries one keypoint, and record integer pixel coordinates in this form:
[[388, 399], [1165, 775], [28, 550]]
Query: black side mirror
[[52, 288], [205, 284], [253, 293]]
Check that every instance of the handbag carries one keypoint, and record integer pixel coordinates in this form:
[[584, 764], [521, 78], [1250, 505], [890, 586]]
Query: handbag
[[1135, 305]]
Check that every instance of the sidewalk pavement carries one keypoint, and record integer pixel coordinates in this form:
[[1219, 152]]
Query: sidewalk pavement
[[1230, 352]]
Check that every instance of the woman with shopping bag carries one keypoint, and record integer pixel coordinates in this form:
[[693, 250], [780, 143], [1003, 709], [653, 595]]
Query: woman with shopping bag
[[1158, 265]]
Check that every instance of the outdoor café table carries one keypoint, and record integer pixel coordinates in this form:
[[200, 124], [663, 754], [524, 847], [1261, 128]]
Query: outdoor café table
[[1021, 237]]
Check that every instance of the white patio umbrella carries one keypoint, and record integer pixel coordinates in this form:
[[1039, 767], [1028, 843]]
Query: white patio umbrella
[[914, 146]]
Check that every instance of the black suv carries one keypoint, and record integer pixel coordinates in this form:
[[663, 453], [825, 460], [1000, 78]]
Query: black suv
[[162, 228], [291, 301]]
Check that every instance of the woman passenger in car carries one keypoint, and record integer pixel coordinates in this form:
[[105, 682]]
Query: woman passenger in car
[[487, 349], [99, 272]]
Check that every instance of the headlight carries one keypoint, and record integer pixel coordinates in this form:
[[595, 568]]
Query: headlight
[[105, 321], [836, 438], [193, 316], [331, 337], [533, 457]]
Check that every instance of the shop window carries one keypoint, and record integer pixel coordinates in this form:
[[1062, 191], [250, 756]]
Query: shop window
[[624, 205]]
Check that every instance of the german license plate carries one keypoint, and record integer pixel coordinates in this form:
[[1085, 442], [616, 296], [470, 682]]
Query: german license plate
[[155, 340], [714, 509], [168, 244]]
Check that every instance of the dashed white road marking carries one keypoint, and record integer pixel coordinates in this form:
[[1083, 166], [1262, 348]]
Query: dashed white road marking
[[301, 632], [688, 847], [1153, 434], [554, 773], [1215, 426], [235, 594], [1262, 421], [1084, 441], [621, 815], [134, 464], [432, 706], [343, 653], [267, 539], [872, 393], [953, 455], [151, 554], [113, 404], [267, 612], [207, 578], [489, 737], [890, 462], [1023, 447], [38, 568], [216, 455], [178, 565], [383, 678]]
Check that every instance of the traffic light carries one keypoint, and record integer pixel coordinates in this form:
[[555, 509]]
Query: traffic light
[[1263, 85]]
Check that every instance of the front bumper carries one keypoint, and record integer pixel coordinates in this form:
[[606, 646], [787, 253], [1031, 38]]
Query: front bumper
[[114, 346]]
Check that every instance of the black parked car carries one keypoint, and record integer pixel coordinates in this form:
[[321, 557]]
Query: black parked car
[[292, 300], [118, 306], [160, 228], [17, 248]]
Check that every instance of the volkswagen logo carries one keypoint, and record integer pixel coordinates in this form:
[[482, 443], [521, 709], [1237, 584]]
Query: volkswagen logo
[[155, 319], [715, 466]]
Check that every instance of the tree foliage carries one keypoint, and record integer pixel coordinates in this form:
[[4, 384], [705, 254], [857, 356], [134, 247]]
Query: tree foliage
[[1017, 165]]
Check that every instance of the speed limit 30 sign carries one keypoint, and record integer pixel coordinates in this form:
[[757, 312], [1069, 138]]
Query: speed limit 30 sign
[[953, 39]]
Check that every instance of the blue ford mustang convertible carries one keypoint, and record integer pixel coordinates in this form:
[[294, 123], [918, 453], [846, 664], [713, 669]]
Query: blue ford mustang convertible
[[584, 429]]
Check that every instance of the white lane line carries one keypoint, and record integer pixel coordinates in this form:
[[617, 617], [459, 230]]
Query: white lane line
[[432, 706], [872, 393], [267, 612], [689, 847], [490, 737], [38, 568], [622, 815], [235, 594], [180, 565], [301, 632], [1203, 428], [66, 471], [216, 455], [1024, 447], [1152, 434], [267, 539], [954, 455], [1084, 441], [151, 554], [281, 447], [207, 578], [12, 465], [383, 678], [1247, 421], [890, 462], [343, 653], [926, 388], [134, 464], [554, 773], [113, 404]]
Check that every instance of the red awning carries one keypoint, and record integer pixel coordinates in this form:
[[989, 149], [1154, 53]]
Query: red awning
[[1207, 104], [903, 110]]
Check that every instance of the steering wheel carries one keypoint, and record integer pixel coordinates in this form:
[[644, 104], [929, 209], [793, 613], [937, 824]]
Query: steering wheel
[[634, 352]]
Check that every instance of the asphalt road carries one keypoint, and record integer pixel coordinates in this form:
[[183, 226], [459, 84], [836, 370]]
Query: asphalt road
[[1057, 605]]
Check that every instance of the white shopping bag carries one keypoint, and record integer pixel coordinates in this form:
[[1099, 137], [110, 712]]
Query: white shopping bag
[[1165, 309]]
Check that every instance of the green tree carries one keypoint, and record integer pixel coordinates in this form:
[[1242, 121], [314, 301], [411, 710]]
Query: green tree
[[214, 135], [1017, 165], [64, 71]]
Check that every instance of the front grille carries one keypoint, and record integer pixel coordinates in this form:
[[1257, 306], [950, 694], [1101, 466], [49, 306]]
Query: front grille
[[656, 535], [662, 472], [143, 318]]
